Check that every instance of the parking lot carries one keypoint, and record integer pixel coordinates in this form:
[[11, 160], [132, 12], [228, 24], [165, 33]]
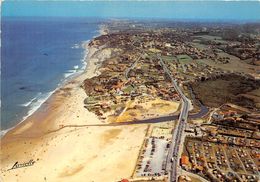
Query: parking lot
[[152, 159]]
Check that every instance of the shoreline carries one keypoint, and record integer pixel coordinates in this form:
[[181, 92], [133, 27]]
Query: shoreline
[[73, 153], [85, 45], [66, 80]]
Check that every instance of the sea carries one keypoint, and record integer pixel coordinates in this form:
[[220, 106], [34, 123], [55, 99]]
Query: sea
[[37, 56]]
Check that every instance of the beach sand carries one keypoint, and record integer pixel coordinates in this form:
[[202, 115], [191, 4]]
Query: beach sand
[[67, 142]]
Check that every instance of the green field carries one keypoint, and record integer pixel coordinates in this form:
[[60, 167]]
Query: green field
[[128, 89], [168, 58], [216, 39], [184, 58]]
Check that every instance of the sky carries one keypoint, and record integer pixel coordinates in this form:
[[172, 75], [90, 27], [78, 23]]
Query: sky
[[202, 10]]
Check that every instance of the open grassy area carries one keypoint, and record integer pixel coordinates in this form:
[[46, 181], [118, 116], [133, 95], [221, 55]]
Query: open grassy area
[[128, 89], [90, 100], [168, 58], [215, 39], [199, 46], [184, 58], [234, 64]]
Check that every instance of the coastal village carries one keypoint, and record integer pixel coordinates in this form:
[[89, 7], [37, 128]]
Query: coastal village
[[225, 148], [221, 144], [133, 72]]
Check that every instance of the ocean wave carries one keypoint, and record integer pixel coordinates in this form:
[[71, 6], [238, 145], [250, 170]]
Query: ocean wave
[[75, 46], [76, 67], [84, 43], [35, 103], [86, 52], [3, 132], [69, 73], [28, 103]]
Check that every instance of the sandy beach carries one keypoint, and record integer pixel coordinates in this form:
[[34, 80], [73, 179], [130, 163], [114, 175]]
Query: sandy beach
[[67, 142]]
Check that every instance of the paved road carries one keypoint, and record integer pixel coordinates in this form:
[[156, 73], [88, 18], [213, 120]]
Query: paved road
[[134, 64], [130, 68], [178, 131]]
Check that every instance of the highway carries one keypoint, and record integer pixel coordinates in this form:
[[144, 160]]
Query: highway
[[177, 137]]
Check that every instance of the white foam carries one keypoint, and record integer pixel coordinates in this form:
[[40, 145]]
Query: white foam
[[28, 103], [69, 73], [76, 67], [35, 103], [3, 132], [72, 71], [84, 43], [40, 99], [75, 46], [86, 51]]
